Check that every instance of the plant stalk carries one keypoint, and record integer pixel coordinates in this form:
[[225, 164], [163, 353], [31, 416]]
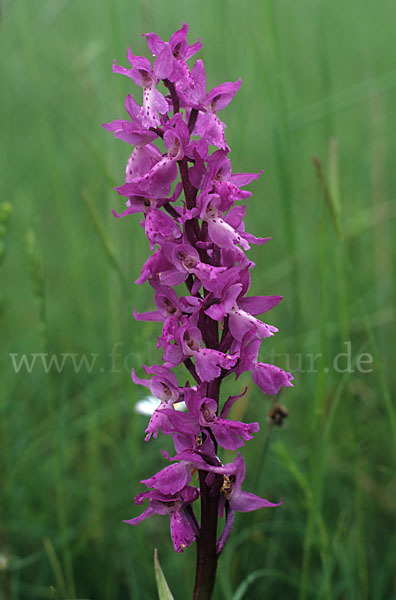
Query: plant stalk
[[207, 557]]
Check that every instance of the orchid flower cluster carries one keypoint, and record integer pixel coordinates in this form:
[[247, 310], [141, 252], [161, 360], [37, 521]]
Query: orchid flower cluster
[[197, 237]]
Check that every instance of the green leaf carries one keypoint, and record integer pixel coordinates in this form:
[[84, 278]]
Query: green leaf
[[54, 593], [164, 592]]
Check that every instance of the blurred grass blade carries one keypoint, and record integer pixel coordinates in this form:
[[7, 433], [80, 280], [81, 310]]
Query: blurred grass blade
[[54, 593], [106, 245], [35, 265], [347, 98], [56, 568], [333, 206], [329, 195], [270, 573], [38, 282], [5, 212], [317, 482], [334, 175], [290, 464], [164, 592]]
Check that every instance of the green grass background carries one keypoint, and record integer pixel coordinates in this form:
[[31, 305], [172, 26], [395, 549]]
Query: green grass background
[[319, 79]]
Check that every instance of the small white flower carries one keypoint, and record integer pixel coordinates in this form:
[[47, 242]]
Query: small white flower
[[149, 404]]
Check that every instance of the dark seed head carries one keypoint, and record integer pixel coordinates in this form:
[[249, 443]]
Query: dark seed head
[[277, 414]]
